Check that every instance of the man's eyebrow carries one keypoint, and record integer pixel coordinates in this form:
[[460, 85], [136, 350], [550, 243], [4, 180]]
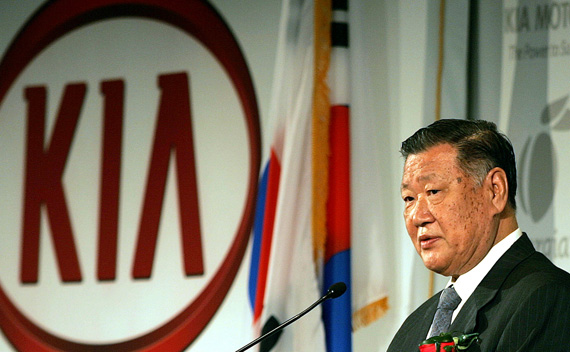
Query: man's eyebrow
[[427, 177], [422, 178]]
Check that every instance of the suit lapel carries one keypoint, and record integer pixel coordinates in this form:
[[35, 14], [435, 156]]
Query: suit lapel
[[415, 328], [418, 327], [466, 319], [425, 323]]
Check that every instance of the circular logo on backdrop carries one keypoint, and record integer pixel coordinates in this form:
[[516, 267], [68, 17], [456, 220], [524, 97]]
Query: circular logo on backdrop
[[122, 147], [538, 160]]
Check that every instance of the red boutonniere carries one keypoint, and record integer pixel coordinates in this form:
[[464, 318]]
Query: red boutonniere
[[449, 343]]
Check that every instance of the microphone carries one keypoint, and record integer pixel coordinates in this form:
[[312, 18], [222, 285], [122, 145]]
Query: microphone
[[334, 291]]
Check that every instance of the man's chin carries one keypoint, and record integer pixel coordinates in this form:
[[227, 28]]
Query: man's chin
[[435, 267]]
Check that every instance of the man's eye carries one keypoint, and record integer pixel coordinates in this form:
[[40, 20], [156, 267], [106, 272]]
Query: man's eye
[[433, 191], [408, 199]]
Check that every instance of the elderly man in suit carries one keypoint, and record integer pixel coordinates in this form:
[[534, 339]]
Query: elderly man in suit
[[458, 186]]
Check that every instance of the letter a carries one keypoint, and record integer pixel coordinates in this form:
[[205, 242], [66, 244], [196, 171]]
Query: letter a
[[173, 133]]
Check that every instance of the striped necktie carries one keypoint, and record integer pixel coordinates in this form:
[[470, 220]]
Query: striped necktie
[[448, 301]]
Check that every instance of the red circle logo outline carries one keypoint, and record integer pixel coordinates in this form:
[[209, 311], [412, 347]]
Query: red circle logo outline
[[200, 20]]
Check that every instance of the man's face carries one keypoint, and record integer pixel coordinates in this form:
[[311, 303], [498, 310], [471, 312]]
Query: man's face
[[449, 217]]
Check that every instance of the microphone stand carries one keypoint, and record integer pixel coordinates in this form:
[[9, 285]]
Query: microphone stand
[[334, 291]]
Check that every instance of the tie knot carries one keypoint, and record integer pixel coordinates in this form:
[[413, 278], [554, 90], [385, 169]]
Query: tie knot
[[449, 299]]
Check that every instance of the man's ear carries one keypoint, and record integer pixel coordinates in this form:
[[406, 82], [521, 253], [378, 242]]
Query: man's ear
[[497, 180]]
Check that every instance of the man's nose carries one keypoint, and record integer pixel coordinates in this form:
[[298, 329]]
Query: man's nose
[[421, 214]]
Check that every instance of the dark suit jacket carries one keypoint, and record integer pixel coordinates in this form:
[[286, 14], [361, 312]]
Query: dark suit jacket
[[522, 304]]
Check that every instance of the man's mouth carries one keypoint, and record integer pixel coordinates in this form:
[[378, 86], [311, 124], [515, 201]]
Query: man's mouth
[[427, 241]]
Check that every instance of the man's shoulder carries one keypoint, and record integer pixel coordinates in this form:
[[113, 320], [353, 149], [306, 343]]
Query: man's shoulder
[[541, 266], [519, 275], [529, 307], [537, 271], [524, 265]]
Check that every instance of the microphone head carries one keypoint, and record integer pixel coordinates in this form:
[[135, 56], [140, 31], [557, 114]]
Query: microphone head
[[336, 290]]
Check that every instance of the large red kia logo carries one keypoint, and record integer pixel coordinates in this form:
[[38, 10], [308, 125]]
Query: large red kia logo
[[49, 151]]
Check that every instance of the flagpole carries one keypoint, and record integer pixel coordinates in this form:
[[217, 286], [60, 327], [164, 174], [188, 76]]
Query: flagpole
[[440, 58], [441, 38]]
